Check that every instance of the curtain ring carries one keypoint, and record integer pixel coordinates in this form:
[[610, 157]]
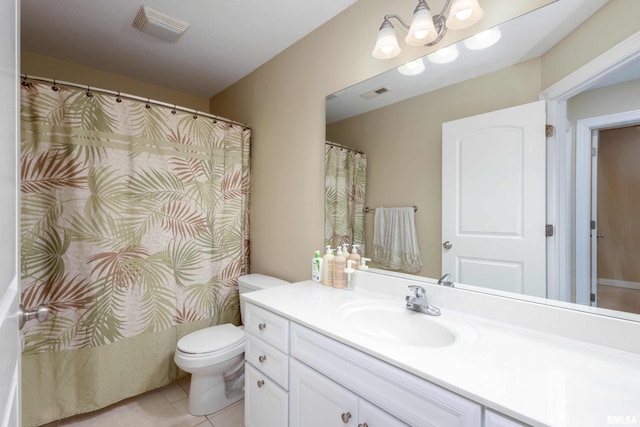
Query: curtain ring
[[89, 94], [25, 82], [195, 116], [174, 109], [55, 87], [118, 99], [147, 105]]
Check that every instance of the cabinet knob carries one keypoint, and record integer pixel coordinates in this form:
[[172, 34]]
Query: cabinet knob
[[260, 383], [262, 326], [346, 416], [262, 359], [363, 425]]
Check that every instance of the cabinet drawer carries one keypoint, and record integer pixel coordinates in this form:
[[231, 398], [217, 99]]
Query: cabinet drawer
[[413, 400], [269, 327], [266, 403], [267, 359], [493, 419]]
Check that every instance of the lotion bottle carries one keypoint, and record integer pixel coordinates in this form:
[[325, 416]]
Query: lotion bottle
[[339, 264], [327, 268], [316, 267], [354, 256]]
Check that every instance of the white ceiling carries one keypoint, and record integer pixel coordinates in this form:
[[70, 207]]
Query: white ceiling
[[523, 38], [226, 40]]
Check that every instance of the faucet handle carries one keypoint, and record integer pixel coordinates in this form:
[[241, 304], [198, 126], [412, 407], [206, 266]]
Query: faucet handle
[[418, 291]]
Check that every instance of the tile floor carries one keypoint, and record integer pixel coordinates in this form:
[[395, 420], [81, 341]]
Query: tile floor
[[164, 407]]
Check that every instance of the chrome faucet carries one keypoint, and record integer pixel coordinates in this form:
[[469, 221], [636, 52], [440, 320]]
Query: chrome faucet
[[444, 280], [418, 301]]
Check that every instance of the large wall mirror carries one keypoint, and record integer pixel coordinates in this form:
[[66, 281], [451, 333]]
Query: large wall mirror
[[396, 120]]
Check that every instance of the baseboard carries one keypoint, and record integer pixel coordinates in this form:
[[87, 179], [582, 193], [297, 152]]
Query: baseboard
[[619, 283]]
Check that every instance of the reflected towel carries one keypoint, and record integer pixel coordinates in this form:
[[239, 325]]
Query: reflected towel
[[395, 242]]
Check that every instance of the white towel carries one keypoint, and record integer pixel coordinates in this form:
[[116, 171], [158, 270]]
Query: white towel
[[395, 242]]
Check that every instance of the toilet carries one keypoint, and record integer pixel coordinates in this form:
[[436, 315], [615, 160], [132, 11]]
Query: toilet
[[214, 356]]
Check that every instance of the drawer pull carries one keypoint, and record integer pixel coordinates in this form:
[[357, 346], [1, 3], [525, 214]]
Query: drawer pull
[[262, 326], [260, 383], [262, 359], [346, 416], [363, 425]]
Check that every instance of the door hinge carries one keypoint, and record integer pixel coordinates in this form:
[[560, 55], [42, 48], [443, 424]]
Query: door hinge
[[548, 230], [594, 151], [593, 225], [549, 131], [593, 297]]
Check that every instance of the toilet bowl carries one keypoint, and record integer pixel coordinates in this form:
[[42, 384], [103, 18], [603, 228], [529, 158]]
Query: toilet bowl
[[214, 357]]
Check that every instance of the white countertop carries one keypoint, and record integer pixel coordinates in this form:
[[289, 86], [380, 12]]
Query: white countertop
[[536, 377]]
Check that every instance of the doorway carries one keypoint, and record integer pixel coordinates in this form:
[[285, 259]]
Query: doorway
[[589, 134], [616, 212]]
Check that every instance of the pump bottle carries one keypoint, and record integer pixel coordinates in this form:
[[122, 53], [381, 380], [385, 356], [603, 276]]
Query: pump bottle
[[316, 267], [327, 267], [339, 264], [354, 256]]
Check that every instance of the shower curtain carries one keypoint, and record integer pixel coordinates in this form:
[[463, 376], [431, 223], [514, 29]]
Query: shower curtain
[[344, 195], [134, 230]]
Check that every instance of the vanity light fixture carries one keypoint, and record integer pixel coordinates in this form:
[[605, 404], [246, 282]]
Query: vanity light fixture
[[412, 68], [444, 55], [426, 29], [484, 39]]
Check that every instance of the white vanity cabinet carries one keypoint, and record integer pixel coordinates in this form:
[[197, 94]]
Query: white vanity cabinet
[[407, 398], [316, 401], [493, 419], [266, 368]]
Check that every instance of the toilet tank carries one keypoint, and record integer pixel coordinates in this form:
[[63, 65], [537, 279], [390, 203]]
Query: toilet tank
[[256, 282]]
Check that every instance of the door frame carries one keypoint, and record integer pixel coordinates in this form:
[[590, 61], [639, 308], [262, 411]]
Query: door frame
[[559, 177], [584, 130]]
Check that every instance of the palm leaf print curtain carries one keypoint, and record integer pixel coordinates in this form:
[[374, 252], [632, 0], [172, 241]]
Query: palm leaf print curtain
[[134, 230], [344, 195]]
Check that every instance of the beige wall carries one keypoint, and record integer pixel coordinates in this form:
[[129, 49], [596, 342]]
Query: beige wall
[[38, 65], [619, 204], [404, 149], [283, 101], [614, 22]]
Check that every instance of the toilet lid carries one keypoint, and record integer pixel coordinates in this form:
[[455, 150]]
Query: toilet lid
[[214, 338]]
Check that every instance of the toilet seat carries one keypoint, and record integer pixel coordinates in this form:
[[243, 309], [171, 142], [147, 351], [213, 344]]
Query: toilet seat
[[214, 339]]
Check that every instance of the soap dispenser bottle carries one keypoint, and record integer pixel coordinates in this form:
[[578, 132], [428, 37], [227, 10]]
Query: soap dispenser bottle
[[327, 267], [354, 256], [339, 264], [349, 275]]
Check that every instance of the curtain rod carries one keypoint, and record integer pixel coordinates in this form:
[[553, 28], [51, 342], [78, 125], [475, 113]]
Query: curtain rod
[[367, 209], [26, 78], [343, 147]]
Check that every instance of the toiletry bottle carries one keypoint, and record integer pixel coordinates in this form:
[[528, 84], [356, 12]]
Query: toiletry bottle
[[349, 275], [339, 264], [327, 268], [345, 249], [354, 256], [363, 263], [316, 267]]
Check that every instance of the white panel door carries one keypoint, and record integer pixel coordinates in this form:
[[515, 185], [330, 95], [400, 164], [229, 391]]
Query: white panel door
[[494, 198], [9, 295]]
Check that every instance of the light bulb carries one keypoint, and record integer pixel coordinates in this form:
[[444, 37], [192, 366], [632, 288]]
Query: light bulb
[[464, 14], [421, 30], [386, 43]]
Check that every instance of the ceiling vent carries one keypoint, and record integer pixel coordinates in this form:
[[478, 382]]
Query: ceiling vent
[[374, 93], [159, 25]]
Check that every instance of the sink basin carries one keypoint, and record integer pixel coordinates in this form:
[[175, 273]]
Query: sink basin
[[392, 323]]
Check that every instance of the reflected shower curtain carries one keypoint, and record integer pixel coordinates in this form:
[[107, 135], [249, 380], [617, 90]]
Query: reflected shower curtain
[[344, 195], [134, 230]]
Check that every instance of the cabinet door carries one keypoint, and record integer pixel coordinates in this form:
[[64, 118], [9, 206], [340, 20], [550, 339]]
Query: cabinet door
[[372, 416], [266, 404], [493, 419], [316, 401]]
